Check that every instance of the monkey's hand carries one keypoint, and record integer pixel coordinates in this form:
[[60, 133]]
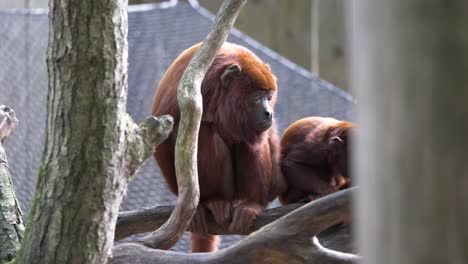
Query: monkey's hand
[[341, 182], [221, 211], [244, 212], [198, 224]]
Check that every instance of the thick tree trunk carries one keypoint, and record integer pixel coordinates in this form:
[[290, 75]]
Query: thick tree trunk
[[92, 147], [11, 221], [81, 178], [410, 64]]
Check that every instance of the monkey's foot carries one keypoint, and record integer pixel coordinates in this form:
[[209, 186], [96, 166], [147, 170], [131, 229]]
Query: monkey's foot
[[221, 211], [198, 224], [243, 215]]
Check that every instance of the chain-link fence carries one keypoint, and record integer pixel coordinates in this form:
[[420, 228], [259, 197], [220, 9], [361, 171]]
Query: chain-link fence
[[157, 34]]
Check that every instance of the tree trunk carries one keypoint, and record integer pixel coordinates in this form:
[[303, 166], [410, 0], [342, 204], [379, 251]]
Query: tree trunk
[[81, 177], [11, 221], [410, 64], [92, 146]]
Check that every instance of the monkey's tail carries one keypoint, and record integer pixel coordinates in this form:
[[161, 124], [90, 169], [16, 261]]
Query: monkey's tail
[[208, 243]]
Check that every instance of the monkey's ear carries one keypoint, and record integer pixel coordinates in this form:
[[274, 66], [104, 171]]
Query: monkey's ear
[[229, 73], [334, 144]]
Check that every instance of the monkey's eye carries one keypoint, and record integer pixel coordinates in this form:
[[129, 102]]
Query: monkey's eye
[[270, 97], [258, 99]]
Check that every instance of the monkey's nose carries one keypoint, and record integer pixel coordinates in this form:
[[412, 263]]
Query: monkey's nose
[[268, 114]]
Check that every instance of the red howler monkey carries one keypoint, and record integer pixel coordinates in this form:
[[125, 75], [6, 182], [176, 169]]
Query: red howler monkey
[[314, 158], [238, 148]]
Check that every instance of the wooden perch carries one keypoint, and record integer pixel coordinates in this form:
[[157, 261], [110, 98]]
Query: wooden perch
[[148, 219], [11, 221], [190, 103], [289, 239]]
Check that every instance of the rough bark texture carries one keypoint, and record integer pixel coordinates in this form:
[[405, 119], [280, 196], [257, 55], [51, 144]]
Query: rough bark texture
[[410, 64], [89, 140], [190, 103], [11, 221], [287, 240]]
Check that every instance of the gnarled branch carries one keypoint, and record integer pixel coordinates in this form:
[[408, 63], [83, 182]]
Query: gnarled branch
[[141, 139], [190, 103], [147, 219], [290, 239], [11, 221]]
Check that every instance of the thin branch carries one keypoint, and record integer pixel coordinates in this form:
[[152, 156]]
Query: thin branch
[[287, 240], [142, 139], [190, 103], [11, 221]]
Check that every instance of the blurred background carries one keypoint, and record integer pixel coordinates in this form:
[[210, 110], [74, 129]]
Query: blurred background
[[302, 41], [310, 33], [409, 74]]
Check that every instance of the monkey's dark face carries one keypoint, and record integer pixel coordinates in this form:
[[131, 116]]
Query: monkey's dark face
[[261, 110], [247, 102], [338, 156]]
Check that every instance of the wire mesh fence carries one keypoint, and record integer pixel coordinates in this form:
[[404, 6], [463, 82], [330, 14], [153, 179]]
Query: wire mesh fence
[[157, 34]]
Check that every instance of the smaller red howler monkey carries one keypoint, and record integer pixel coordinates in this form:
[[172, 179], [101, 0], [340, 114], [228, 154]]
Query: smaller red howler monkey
[[314, 158]]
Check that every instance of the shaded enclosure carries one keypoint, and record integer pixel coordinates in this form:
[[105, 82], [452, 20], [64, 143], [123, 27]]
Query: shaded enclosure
[[157, 34]]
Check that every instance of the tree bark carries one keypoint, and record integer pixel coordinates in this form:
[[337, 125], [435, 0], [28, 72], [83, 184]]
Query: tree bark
[[290, 239], [11, 221], [90, 143], [190, 104], [410, 63]]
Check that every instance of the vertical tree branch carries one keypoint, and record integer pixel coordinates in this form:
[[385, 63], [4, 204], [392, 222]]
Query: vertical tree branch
[[11, 221], [190, 103]]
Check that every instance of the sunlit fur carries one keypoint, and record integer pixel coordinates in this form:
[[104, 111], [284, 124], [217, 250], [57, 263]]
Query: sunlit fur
[[235, 162], [305, 159]]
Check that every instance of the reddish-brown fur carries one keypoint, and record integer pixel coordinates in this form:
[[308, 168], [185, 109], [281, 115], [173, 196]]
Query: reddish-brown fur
[[311, 167], [238, 167]]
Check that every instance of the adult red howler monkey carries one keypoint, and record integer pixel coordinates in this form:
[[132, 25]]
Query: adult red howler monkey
[[314, 158], [238, 148]]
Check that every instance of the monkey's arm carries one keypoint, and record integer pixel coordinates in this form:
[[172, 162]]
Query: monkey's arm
[[306, 179], [278, 183]]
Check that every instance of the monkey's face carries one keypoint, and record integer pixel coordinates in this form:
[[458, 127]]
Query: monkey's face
[[338, 159], [261, 110]]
